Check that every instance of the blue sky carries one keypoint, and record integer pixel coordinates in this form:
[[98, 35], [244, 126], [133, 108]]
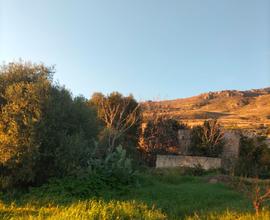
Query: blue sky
[[154, 49]]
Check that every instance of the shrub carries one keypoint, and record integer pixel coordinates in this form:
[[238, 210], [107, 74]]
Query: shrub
[[207, 140], [120, 116], [159, 136], [197, 170], [119, 167], [23, 91], [66, 133], [116, 168], [254, 158], [41, 126]]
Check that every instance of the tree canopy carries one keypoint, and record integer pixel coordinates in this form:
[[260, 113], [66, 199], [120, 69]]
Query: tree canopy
[[41, 126]]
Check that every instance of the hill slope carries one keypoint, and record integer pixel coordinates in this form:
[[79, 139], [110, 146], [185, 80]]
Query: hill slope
[[234, 109]]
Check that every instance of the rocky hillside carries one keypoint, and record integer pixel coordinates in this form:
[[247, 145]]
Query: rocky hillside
[[234, 109]]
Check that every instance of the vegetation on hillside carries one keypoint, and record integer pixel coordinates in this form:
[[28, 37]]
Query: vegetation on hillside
[[234, 109]]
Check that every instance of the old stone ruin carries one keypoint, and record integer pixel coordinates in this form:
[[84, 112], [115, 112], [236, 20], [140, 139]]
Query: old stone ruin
[[226, 161]]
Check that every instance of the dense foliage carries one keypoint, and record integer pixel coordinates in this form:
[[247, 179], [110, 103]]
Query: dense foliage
[[159, 136], [24, 91], [66, 134], [121, 117], [254, 157], [45, 132], [37, 119], [207, 139]]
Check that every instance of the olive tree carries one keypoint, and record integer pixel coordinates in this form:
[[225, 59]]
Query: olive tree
[[23, 91], [41, 126], [119, 114], [207, 139]]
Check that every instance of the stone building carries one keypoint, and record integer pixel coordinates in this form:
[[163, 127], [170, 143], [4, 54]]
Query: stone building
[[184, 141], [227, 160], [230, 150]]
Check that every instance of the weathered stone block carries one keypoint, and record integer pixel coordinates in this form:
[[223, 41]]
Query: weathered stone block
[[187, 161]]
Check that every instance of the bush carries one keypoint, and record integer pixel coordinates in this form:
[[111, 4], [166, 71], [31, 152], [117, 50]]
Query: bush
[[41, 126], [116, 168], [159, 136], [23, 92], [119, 167], [46, 133], [254, 158], [121, 118], [197, 170], [66, 133], [207, 140]]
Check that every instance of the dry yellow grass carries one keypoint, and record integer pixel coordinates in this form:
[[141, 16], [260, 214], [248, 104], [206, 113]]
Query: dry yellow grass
[[234, 109], [91, 209]]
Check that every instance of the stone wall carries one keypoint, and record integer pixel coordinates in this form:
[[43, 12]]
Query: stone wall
[[184, 141], [231, 149], [227, 160], [206, 163]]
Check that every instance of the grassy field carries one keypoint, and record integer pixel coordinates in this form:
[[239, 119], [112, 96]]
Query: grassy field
[[157, 195]]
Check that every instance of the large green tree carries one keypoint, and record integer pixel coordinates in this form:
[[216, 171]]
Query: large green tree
[[23, 91], [44, 131], [66, 133]]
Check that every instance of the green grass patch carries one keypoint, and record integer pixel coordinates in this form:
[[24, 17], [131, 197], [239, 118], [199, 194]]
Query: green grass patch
[[159, 194]]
